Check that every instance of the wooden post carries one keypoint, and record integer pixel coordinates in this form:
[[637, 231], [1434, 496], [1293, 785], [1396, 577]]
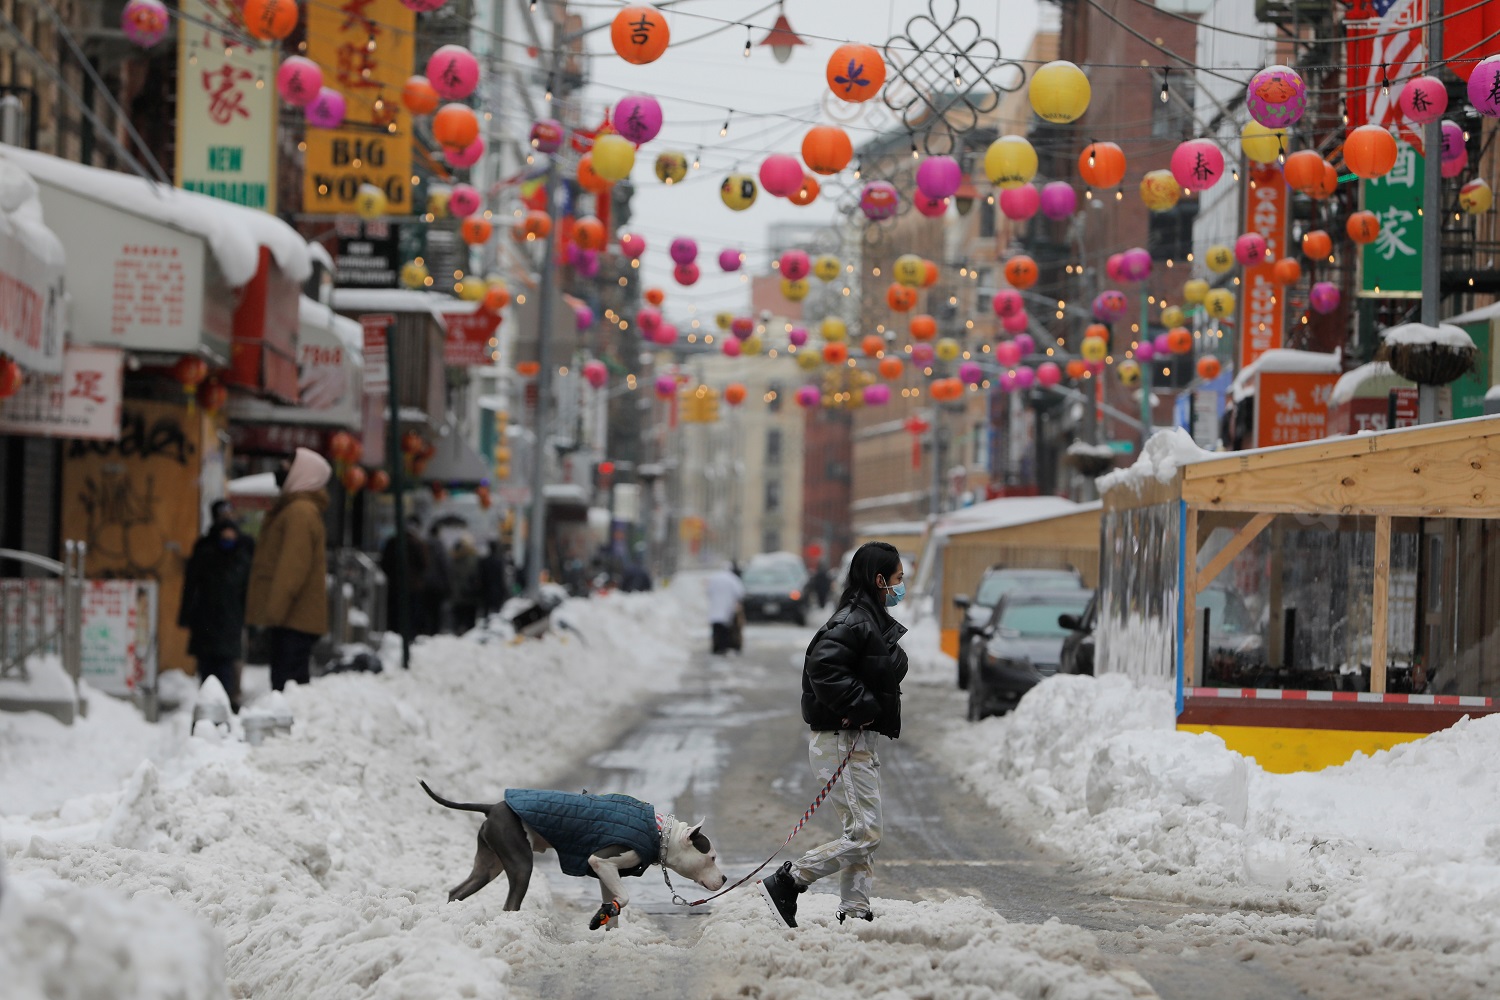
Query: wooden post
[[1380, 629], [1190, 600], [1236, 545]]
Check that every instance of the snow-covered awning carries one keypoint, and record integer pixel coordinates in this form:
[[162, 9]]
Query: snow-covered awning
[[32, 265], [396, 300], [1005, 512], [1369, 379], [1481, 315], [1283, 360], [330, 375]]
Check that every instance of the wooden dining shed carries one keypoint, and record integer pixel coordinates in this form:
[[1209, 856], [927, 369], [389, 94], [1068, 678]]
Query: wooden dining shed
[[1311, 600]]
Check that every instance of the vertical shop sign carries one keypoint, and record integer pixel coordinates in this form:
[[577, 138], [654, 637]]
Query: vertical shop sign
[[1292, 407], [1391, 266], [1262, 313]]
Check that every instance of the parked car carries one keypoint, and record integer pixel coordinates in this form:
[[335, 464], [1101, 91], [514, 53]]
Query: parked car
[[776, 591], [1077, 655], [790, 560], [996, 582], [1019, 646]]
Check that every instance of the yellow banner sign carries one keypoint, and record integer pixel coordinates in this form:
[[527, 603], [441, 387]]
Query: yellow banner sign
[[366, 49]]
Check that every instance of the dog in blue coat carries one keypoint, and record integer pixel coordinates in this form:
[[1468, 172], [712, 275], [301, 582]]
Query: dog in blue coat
[[605, 837]]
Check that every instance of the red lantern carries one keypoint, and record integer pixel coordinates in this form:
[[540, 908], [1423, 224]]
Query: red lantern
[[640, 34], [836, 353], [475, 231], [419, 96], [1303, 170], [1286, 271], [1317, 244], [871, 345], [341, 447], [1101, 164], [923, 327], [900, 298], [587, 178], [270, 20], [655, 296], [826, 149], [439, 493], [380, 481], [1363, 227], [353, 479], [807, 193], [11, 378], [455, 126], [1326, 185], [190, 371], [929, 274], [411, 443], [1077, 369], [528, 369], [1098, 331], [588, 233], [496, 297], [1179, 340], [1209, 367], [891, 368], [214, 396], [1021, 272], [855, 72], [1370, 151]]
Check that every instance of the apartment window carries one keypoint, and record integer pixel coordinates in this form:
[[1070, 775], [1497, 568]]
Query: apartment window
[[770, 540], [773, 496], [775, 390], [773, 446], [986, 220], [1173, 118]]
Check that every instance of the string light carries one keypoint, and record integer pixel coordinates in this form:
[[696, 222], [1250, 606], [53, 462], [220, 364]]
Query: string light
[[370, 43], [913, 147], [551, 79], [747, 41], [724, 129], [1165, 73], [1385, 83], [958, 78], [697, 162]]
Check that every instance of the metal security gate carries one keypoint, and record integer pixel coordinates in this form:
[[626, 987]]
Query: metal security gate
[[41, 616]]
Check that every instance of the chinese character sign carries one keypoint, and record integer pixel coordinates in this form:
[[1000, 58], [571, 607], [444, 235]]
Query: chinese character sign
[[1292, 407], [1391, 266], [226, 108], [1262, 313], [366, 49]]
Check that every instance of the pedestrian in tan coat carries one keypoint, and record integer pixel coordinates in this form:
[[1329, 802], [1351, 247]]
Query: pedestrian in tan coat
[[288, 593]]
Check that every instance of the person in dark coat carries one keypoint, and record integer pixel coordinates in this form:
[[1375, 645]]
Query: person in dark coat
[[851, 700], [214, 588], [416, 569], [435, 587], [494, 579], [463, 572], [820, 583]]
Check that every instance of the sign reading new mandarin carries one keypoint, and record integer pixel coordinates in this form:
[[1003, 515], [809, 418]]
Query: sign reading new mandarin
[[366, 50]]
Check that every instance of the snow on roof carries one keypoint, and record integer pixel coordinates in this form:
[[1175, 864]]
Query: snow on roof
[[1166, 451], [1282, 360], [234, 233], [1349, 384], [893, 528], [368, 300], [1442, 335], [349, 332], [1493, 392], [21, 214], [1006, 512], [1480, 315], [319, 255]]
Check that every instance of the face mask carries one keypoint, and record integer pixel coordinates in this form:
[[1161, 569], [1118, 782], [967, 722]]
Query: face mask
[[894, 597], [226, 543]]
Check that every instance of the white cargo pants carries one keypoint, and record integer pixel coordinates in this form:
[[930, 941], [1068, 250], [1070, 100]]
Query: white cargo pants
[[856, 799]]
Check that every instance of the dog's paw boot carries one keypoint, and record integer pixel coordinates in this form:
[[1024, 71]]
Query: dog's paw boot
[[867, 915], [607, 914]]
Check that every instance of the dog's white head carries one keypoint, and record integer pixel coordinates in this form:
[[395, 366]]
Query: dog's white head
[[689, 854]]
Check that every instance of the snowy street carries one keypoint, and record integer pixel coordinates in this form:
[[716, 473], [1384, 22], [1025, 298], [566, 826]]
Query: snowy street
[[1072, 849]]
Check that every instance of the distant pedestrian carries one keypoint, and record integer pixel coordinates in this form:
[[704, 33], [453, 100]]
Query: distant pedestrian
[[494, 579], [435, 587], [214, 587], [463, 568], [725, 592], [820, 583], [635, 578], [416, 569], [288, 593]]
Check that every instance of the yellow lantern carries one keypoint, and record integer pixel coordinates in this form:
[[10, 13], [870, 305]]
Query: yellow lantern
[[1261, 143], [794, 291], [833, 328], [1476, 197], [1160, 190], [909, 270], [1010, 162], [1173, 316], [671, 167], [808, 360], [414, 274], [1219, 258], [1129, 372], [723, 320], [1094, 348], [437, 200], [750, 346], [370, 202], [1059, 92], [1219, 303], [946, 349], [613, 157], [827, 267], [1193, 292], [470, 291], [738, 191]]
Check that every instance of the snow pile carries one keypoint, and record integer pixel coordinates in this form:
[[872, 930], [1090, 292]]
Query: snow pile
[[1442, 335], [926, 663], [1166, 451], [1088, 450], [1373, 379]]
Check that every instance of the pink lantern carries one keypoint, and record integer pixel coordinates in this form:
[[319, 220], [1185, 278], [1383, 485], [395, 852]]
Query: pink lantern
[[1110, 306], [683, 250], [938, 177], [463, 201], [422, 6], [638, 118], [808, 396], [1114, 267], [666, 386], [1484, 87], [1008, 381], [686, 274], [1048, 374], [632, 245], [145, 23], [1024, 344], [729, 260], [1135, 264], [1423, 99], [466, 157], [326, 110], [922, 354], [648, 319], [298, 80], [595, 374], [1145, 351], [877, 395], [1015, 323], [1276, 96], [666, 334], [794, 265], [1197, 164], [1325, 296], [1025, 378], [1250, 249], [742, 326], [1454, 147], [970, 373], [1452, 168], [583, 318], [797, 336], [1007, 302], [1059, 200], [1008, 353], [879, 200], [731, 347], [1162, 344], [781, 175], [586, 263], [547, 135], [453, 72], [1020, 203], [932, 208]]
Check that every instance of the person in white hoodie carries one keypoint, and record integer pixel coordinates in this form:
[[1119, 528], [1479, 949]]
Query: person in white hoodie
[[288, 593]]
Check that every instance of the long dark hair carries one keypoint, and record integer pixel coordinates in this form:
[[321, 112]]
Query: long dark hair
[[871, 559]]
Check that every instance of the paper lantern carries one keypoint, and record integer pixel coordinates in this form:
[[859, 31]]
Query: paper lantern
[[807, 193], [1145, 350], [189, 372], [1317, 244], [1250, 249], [269, 20], [930, 208], [1303, 169], [1128, 372], [584, 262], [795, 290], [1363, 227], [1102, 164], [547, 135], [1059, 200], [1326, 184], [465, 157], [1110, 306], [908, 270], [414, 275], [613, 157], [1370, 152], [1484, 87], [1173, 316], [875, 395], [808, 396], [1454, 144], [738, 191], [1194, 290], [970, 373], [145, 22], [1007, 353], [496, 298], [1219, 303], [640, 34], [1262, 144], [1014, 323], [1209, 367], [453, 72], [780, 174], [879, 200], [353, 480], [939, 177], [1093, 349], [298, 79], [370, 202], [536, 225], [648, 319], [1286, 271], [921, 354], [794, 264], [588, 178], [855, 72], [595, 374], [808, 360], [666, 334], [741, 326], [666, 386], [637, 117], [632, 245], [1276, 96], [326, 110], [418, 96], [683, 250], [1324, 297], [1076, 369], [1423, 98], [900, 297], [946, 349], [1059, 92], [1219, 258], [1197, 164], [730, 260], [475, 231], [797, 336], [870, 345], [1010, 162], [1021, 272], [1180, 340], [1024, 344], [685, 274], [1007, 302], [1135, 264], [731, 347], [891, 368], [1160, 191], [836, 353], [379, 482], [437, 200], [833, 328], [463, 201], [922, 327], [589, 233], [671, 167], [1096, 331], [826, 149], [826, 267], [1020, 203], [1475, 197], [1114, 267]]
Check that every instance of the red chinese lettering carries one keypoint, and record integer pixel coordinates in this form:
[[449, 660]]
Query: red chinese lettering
[[225, 99]]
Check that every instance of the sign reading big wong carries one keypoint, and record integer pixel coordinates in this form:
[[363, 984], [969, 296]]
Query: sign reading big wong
[[226, 108], [366, 49]]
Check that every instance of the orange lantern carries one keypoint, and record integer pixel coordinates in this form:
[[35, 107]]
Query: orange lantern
[[891, 368], [455, 126], [1363, 227], [836, 353], [380, 481], [1317, 244], [190, 371], [1209, 367], [588, 233], [496, 297], [11, 378], [871, 345], [655, 296], [475, 231], [341, 447], [1101, 164], [1326, 185], [527, 369], [929, 274], [419, 96], [1179, 340], [354, 479], [536, 225], [1303, 170], [900, 298], [587, 178], [439, 492], [923, 327], [1097, 331], [1076, 368], [855, 72], [270, 20], [734, 394], [640, 34], [1370, 152], [1286, 271], [826, 149], [807, 193], [412, 443], [214, 396], [1021, 272]]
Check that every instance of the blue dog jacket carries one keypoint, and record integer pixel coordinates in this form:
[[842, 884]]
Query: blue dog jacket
[[579, 825]]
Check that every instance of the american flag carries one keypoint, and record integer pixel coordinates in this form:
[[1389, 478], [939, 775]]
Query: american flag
[[1395, 58]]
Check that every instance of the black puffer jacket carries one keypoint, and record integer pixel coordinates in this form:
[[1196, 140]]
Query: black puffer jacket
[[853, 670]]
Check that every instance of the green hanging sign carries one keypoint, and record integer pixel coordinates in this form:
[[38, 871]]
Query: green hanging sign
[[1391, 265]]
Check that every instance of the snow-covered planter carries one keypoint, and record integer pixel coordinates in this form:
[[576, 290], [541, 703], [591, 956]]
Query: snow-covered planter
[[1090, 459], [1428, 355]]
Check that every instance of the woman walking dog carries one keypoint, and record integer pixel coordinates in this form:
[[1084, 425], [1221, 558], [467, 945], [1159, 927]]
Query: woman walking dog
[[851, 699]]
